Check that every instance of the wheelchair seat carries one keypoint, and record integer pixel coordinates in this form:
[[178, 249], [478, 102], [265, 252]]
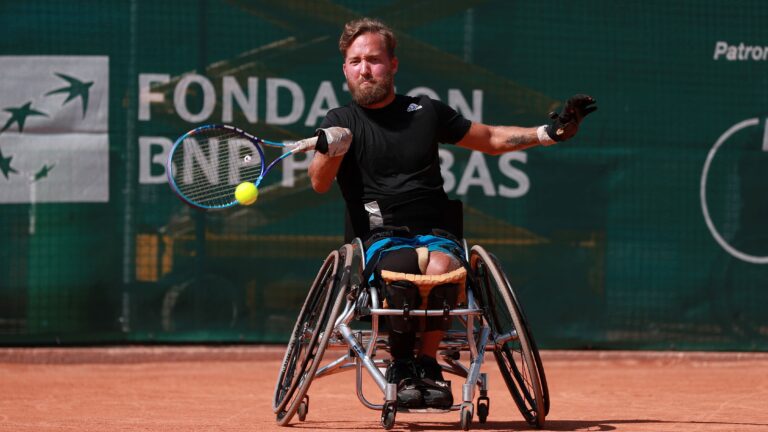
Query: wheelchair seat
[[425, 283], [341, 298]]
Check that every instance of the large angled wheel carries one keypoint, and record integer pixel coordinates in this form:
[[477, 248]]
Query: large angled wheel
[[529, 336], [515, 351], [309, 339]]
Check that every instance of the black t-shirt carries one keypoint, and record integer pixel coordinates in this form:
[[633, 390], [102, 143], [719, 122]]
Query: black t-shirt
[[393, 164]]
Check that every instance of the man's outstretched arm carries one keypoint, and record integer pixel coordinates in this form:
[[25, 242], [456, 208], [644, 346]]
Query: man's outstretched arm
[[502, 139]]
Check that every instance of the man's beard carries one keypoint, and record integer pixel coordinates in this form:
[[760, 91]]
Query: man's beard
[[373, 93]]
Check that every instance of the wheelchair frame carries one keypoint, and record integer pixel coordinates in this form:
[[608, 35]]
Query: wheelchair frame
[[493, 322]]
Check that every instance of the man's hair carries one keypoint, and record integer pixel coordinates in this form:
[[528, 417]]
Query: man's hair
[[355, 28]]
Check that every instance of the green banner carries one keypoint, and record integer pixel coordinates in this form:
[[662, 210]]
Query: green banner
[[644, 232]]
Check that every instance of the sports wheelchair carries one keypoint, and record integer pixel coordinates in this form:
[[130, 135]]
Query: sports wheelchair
[[335, 314]]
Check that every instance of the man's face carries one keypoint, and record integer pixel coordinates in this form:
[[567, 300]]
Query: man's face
[[370, 71]]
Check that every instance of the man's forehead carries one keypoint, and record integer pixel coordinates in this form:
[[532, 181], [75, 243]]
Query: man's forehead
[[369, 43]]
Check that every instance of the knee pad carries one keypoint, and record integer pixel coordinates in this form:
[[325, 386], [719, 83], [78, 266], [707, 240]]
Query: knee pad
[[402, 295], [440, 297]]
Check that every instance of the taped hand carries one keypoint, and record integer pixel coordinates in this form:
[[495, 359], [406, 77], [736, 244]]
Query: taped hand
[[333, 141]]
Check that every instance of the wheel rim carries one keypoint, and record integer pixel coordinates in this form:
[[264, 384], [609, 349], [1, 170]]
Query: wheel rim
[[334, 294], [531, 341], [302, 348], [515, 358]]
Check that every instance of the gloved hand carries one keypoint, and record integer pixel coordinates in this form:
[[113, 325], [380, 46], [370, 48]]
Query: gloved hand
[[566, 124], [333, 141]]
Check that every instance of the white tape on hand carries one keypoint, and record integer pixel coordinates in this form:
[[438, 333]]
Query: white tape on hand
[[339, 139], [544, 138], [302, 145]]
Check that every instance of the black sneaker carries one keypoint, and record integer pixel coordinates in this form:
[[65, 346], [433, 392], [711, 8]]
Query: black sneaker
[[435, 390], [405, 375]]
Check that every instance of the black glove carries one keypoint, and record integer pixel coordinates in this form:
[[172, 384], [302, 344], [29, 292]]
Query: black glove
[[565, 124]]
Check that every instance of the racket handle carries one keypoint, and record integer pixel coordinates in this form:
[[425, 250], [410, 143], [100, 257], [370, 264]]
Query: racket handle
[[303, 145]]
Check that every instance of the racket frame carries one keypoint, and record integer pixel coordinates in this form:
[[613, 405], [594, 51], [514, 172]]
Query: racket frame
[[198, 130]]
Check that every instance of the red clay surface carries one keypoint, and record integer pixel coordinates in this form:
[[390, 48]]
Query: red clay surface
[[230, 388]]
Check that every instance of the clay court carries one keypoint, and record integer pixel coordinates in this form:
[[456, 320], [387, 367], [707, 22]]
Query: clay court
[[230, 389]]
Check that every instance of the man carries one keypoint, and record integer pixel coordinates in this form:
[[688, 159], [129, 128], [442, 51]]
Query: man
[[382, 149]]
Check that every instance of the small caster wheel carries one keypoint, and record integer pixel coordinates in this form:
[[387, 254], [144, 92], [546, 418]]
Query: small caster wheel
[[388, 415], [303, 408], [466, 415], [483, 406]]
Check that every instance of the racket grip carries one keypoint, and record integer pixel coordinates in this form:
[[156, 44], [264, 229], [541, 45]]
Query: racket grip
[[303, 145]]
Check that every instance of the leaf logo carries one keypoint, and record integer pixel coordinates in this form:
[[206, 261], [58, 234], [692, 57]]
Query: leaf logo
[[54, 129], [76, 88]]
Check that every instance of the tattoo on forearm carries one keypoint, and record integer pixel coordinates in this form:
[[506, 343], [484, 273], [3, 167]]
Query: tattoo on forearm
[[520, 142], [516, 140]]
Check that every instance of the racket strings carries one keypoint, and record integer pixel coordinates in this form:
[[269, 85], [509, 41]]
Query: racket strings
[[209, 165]]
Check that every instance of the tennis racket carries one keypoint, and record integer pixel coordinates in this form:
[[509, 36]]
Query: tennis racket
[[206, 164]]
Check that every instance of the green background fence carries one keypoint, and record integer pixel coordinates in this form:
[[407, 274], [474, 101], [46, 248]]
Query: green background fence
[[647, 231]]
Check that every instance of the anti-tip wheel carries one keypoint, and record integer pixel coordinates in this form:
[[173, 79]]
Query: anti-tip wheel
[[388, 414], [483, 406], [466, 415]]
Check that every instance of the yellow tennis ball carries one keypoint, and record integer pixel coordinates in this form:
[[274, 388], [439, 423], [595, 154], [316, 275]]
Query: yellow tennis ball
[[246, 193]]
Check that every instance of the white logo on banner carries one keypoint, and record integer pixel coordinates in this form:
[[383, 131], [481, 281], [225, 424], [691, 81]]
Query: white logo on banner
[[754, 259], [54, 129]]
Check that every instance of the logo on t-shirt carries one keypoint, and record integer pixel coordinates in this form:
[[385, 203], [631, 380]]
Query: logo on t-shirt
[[413, 107]]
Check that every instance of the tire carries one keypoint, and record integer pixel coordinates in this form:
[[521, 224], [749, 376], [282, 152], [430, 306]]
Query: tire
[[483, 407], [309, 340], [518, 360], [465, 416], [531, 340], [388, 413]]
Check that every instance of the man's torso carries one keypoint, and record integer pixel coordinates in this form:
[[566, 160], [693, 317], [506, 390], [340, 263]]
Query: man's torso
[[394, 158]]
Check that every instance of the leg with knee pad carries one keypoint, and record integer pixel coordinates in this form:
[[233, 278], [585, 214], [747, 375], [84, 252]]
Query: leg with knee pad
[[401, 294], [402, 342], [444, 296]]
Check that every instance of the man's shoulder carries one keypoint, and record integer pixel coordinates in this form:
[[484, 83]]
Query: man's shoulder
[[342, 110], [340, 116]]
